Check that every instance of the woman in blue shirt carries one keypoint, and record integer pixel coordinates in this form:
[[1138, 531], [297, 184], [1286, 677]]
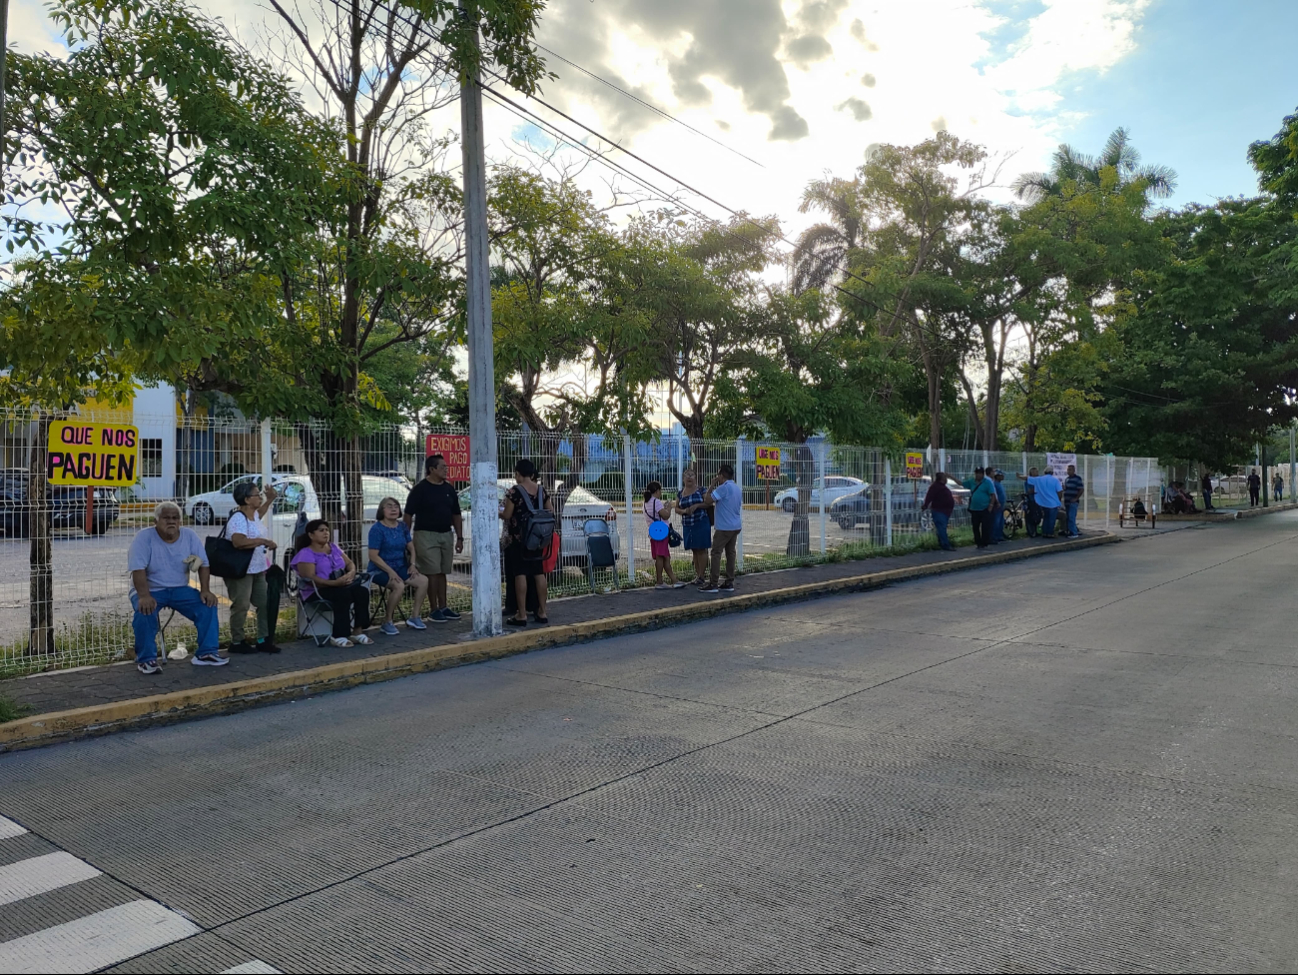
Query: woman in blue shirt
[[392, 554], [696, 526]]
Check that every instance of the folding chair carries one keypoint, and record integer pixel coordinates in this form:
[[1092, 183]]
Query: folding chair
[[599, 551], [315, 618]]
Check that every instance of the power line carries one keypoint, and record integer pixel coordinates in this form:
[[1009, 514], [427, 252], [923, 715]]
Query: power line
[[649, 105]]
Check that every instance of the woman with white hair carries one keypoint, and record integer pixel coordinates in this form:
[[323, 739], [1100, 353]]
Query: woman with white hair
[[246, 531]]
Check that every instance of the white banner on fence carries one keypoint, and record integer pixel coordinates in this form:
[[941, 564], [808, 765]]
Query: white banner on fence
[[1059, 464]]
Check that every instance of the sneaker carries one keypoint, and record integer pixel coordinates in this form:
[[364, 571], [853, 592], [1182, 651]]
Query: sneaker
[[390, 629], [243, 646], [662, 585], [340, 641], [680, 585], [210, 660], [450, 614], [729, 588], [149, 667], [438, 616], [416, 624], [267, 646], [707, 588], [361, 638]]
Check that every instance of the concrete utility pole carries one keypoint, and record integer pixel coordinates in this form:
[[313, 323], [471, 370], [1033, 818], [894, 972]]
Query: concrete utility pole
[[1293, 461], [485, 518]]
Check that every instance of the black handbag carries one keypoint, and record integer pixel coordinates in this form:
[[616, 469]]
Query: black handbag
[[673, 537], [223, 559]]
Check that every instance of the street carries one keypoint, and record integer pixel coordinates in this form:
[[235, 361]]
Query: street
[[1082, 762]]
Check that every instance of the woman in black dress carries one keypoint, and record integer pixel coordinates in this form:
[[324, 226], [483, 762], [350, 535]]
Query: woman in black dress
[[520, 564]]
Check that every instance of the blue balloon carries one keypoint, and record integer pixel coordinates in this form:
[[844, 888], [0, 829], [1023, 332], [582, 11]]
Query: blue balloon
[[659, 530]]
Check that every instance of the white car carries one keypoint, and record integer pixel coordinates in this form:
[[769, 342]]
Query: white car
[[217, 506], [579, 507], [833, 489]]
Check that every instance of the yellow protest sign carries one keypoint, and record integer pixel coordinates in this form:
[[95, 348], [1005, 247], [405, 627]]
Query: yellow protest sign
[[914, 464], [92, 454], [768, 463]]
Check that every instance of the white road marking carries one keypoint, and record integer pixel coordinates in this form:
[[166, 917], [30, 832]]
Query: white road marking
[[27, 878], [97, 941], [255, 967], [8, 828]]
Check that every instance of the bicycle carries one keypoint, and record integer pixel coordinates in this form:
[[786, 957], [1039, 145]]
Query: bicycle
[[1016, 516]]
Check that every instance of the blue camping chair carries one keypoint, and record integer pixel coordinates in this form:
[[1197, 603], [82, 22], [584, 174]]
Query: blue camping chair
[[599, 551]]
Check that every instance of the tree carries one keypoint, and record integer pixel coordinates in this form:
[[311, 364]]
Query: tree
[[820, 257], [1070, 167], [1210, 357], [165, 169], [807, 371]]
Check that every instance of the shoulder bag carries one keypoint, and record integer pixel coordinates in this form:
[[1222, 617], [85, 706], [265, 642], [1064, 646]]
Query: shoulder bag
[[224, 559]]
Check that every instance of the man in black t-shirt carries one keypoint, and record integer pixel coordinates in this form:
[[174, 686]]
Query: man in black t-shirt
[[1254, 488], [434, 507]]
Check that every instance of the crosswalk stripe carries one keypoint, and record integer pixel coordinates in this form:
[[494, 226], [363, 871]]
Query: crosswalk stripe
[[27, 878], [97, 941], [8, 828], [254, 967]]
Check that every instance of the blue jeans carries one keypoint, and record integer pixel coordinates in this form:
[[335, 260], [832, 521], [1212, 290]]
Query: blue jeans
[[1048, 521], [939, 524], [185, 601], [998, 526], [1072, 517]]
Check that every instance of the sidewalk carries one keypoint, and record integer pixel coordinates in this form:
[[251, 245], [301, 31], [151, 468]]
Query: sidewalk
[[92, 700]]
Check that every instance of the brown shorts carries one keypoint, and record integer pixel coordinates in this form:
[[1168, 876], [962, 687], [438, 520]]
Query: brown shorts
[[434, 552]]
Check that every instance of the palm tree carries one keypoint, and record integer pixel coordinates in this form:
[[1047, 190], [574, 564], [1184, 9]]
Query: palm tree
[[1069, 165], [822, 249]]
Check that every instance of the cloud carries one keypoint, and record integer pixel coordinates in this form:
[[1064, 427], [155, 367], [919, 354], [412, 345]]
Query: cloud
[[734, 42], [938, 124], [860, 110], [858, 31], [723, 125], [867, 79], [821, 15], [806, 50]]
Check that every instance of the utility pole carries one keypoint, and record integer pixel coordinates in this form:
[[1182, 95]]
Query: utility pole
[[484, 516], [1293, 461], [1266, 486], [4, 51]]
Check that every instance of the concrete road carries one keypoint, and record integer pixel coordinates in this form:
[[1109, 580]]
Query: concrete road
[[1077, 763]]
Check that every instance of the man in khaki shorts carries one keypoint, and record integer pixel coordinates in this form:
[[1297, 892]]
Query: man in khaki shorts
[[434, 507]]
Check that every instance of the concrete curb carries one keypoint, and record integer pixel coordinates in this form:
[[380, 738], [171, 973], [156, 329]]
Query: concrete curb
[[46, 729]]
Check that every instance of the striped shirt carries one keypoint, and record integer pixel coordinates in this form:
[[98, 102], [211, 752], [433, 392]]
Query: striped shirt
[[1073, 488]]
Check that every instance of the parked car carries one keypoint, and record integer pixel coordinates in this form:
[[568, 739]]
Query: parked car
[[835, 487], [907, 501], [579, 507], [216, 506], [67, 506]]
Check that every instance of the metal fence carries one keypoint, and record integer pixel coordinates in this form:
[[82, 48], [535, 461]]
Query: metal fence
[[859, 502]]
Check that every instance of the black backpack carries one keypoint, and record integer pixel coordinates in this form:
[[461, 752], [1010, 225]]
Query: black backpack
[[537, 523]]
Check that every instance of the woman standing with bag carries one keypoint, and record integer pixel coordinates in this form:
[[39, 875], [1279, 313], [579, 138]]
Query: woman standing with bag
[[696, 526], [657, 512], [246, 531], [522, 500]]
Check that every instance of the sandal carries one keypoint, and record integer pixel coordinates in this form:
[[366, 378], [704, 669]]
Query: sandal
[[339, 641], [512, 621], [362, 639], [542, 619]]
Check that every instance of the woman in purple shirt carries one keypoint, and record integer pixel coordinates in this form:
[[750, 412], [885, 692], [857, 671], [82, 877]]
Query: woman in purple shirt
[[327, 573]]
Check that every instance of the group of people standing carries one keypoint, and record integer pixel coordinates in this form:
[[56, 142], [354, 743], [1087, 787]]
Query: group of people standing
[[722, 502], [1046, 497]]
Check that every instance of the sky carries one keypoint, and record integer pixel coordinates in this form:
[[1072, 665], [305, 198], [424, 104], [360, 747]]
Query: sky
[[803, 87]]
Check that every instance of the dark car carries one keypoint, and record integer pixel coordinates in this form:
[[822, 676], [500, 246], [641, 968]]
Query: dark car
[[907, 501], [67, 506]]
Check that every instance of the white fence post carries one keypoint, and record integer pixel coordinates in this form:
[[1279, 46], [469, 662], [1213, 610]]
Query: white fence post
[[739, 479], [1108, 488], [680, 461], [887, 500], [630, 521], [941, 460], [824, 491], [267, 454], [1086, 488]]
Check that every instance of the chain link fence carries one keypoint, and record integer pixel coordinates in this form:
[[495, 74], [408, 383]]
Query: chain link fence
[[63, 598]]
